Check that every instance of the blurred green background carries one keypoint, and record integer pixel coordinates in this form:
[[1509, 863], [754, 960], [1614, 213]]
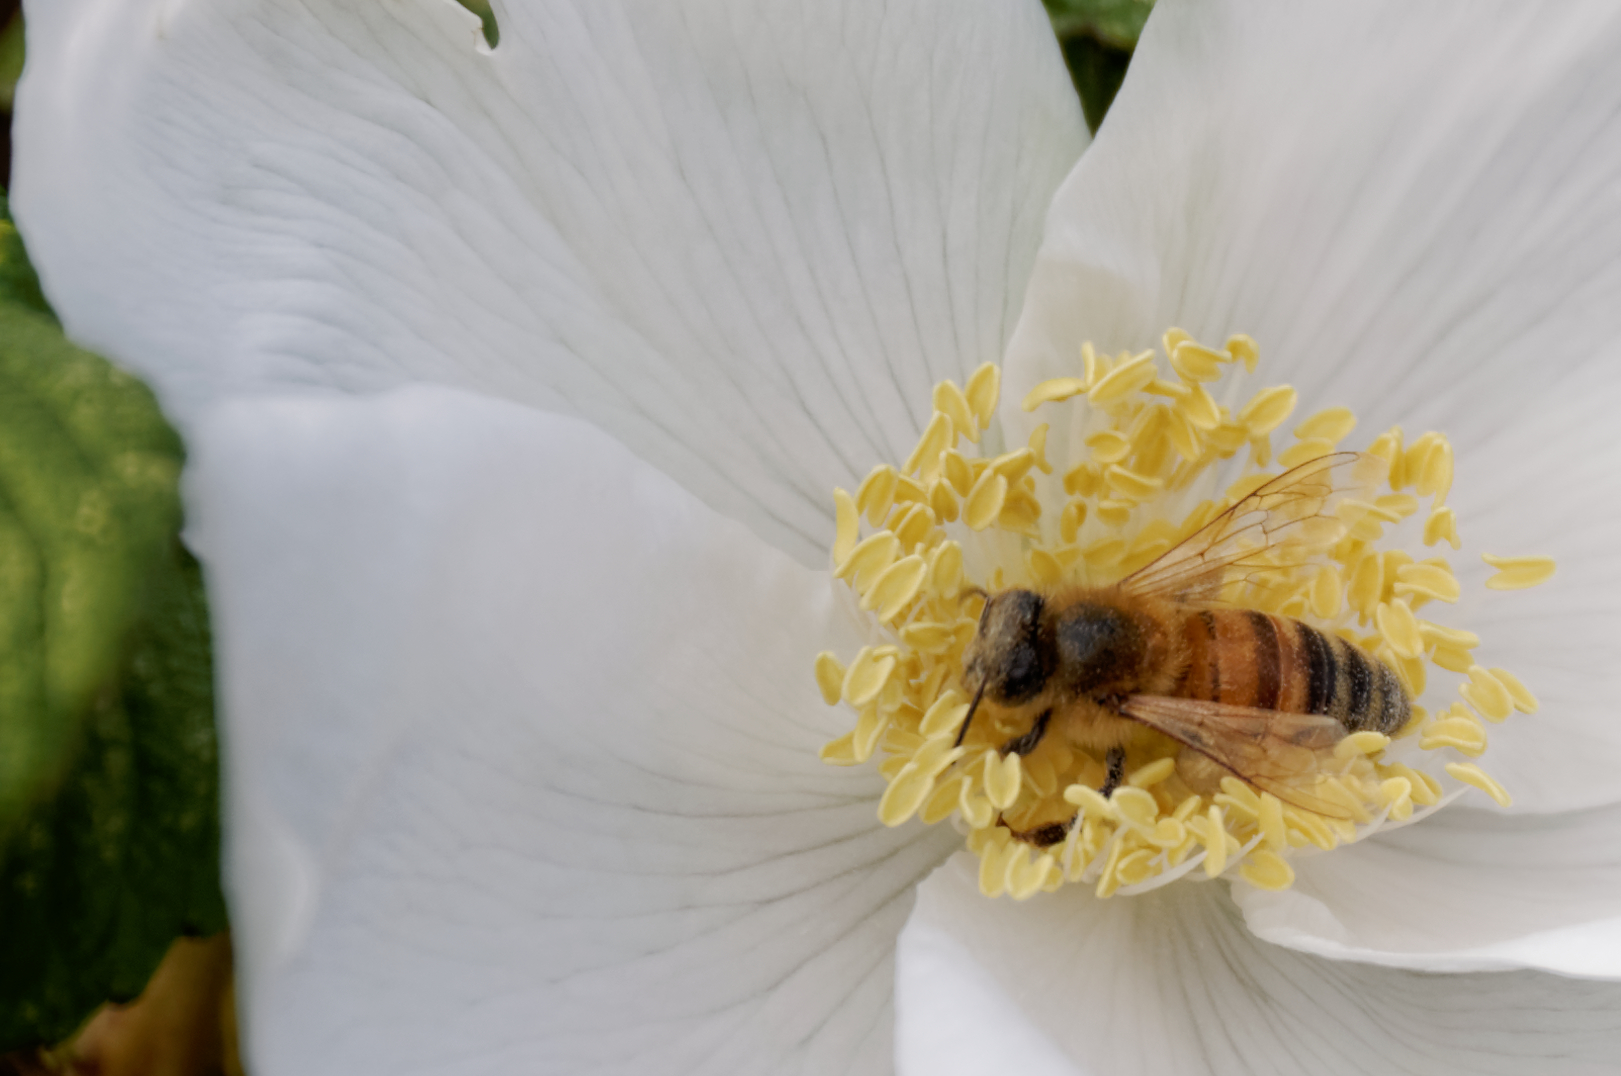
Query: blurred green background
[[11, 65]]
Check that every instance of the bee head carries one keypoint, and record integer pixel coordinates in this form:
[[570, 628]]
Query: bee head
[[1010, 658]]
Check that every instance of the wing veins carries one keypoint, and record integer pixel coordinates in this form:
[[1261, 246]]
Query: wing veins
[[1252, 744], [1263, 521]]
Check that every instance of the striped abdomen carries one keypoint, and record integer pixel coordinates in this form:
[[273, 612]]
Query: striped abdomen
[[1246, 658]]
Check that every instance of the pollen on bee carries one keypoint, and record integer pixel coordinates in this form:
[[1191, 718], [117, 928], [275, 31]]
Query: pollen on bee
[[1142, 456]]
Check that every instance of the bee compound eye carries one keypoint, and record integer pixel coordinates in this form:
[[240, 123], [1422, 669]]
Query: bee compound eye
[[1024, 659], [1015, 611]]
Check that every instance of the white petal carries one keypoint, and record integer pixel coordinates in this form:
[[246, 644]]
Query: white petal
[[1465, 891], [1413, 209], [1171, 984], [743, 238], [522, 767]]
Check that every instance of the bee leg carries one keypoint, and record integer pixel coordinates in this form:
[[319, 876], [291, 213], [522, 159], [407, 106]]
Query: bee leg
[[1046, 836], [1042, 836], [1116, 761], [1023, 745]]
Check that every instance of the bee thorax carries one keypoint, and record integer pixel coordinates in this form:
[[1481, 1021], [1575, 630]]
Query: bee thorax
[[1100, 649]]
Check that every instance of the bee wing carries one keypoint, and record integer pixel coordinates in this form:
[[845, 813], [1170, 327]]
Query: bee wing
[[1276, 751], [1300, 505]]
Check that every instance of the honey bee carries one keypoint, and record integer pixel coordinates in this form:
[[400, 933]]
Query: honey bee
[[1260, 696]]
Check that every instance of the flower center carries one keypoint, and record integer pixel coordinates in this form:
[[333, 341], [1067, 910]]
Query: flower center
[[1105, 678]]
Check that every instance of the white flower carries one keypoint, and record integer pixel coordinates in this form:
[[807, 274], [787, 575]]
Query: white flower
[[516, 383]]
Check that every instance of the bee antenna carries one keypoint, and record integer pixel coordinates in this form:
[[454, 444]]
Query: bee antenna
[[969, 592], [980, 694]]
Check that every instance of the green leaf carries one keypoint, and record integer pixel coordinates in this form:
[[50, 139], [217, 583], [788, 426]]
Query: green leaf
[[109, 826], [11, 59], [481, 8], [1116, 23], [1098, 37], [1097, 71], [18, 284]]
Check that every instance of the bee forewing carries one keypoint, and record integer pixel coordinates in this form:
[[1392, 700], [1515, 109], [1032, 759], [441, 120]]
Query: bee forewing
[[1276, 751], [1287, 522]]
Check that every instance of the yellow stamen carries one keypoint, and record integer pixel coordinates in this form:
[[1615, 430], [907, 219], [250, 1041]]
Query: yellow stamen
[[1045, 568], [830, 677], [956, 470], [1400, 628], [868, 674], [876, 493], [950, 401], [1442, 526], [1014, 465], [1268, 410], [985, 500], [898, 585], [1055, 391], [945, 570], [1201, 411], [1131, 376], [1139, 487], [1396, 793], [1211, 832], [1524, 701], [870, 559], [905, 794], [1109, 880], [1069, 524], [1109, 446], [1304, 452], [1361, 743], [848, 518], [911, 526], [1517, 573], [1090, 801], [1195, 363], [1456, 729], [1470, 774], [945, 715], [1429, 466], [1487, 694], [942, 801], [1002, 779], [1152, 774], [975, 807], [1443, 635], [1154, 434], [1327, 593], [1265, 869], [1243, 349], [870, 725], [1428, 581], [982, 392], [1332, 425], [928, 636], [1270, 819], [1038, 447]]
